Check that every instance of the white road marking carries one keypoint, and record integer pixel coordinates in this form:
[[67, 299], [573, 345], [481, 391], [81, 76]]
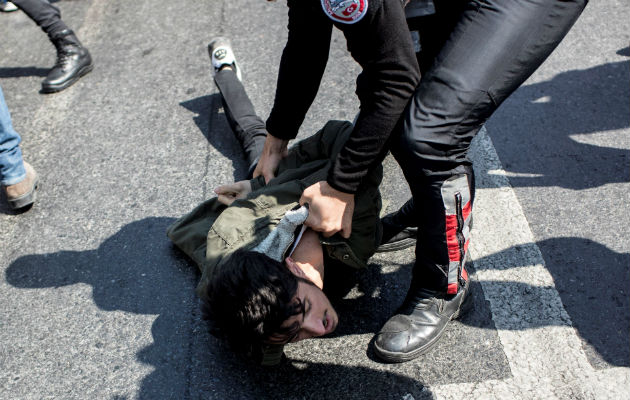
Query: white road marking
[[545, 355]]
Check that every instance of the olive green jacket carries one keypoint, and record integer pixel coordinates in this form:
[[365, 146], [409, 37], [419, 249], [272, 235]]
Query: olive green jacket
[[213, 231]]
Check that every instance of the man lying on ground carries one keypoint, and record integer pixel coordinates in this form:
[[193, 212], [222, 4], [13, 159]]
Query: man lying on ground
[[262, 270]]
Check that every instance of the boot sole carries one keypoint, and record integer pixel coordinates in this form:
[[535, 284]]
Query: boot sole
[[399, 245], [26, 199], [58, 88], [392, 357]]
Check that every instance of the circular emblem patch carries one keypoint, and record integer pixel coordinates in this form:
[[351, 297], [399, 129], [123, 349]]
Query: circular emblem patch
[[345, 11], [220, 54]]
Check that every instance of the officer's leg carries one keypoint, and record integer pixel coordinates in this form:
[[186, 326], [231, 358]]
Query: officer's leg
[[45, 15], [435, 29], [492, 50], [73, 60], [248, 127], [400, 227]]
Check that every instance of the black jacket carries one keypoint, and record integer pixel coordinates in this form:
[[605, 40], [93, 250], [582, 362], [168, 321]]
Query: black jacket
[[381, 43]]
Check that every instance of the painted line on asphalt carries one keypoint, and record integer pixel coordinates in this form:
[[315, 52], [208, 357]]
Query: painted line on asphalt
[[545, 354]]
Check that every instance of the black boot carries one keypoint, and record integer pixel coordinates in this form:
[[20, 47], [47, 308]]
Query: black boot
[[73, 61], [419, 322], [400, 229]]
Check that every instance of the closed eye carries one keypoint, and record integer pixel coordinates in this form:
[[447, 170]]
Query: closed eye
[[307, 308]]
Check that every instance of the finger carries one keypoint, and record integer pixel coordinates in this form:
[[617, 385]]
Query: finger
[[227, 200], [268, 176], [328, 234], [226, 193], [223, 189], [313, 222], [345, 232], [309, 221], [222, 199], [231, 187], [346, 224], [329, 231], [257, 171]]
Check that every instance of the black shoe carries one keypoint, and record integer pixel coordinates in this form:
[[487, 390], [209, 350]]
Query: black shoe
[[399, 229], [419, 323], [73, 61]]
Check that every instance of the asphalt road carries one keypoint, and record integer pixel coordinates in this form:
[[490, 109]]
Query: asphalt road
[[95, 303]]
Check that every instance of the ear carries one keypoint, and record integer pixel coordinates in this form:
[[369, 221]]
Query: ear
[[293, 267]]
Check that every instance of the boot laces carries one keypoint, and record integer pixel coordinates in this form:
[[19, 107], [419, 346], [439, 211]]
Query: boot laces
[[64, 55]]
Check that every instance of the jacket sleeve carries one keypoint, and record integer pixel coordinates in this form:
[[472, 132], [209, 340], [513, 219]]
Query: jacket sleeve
[[301, 68], [381, 43]]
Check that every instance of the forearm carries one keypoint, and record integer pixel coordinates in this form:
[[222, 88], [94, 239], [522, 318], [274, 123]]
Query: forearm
[[301, 69], [388, 80], [362, 152]]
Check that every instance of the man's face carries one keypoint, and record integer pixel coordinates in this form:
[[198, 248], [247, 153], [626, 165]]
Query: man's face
[[318, 319]]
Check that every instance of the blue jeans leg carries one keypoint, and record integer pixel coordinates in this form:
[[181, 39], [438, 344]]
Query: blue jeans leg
[[11, 165]]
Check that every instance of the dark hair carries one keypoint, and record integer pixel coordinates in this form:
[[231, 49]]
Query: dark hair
[[249, 297]]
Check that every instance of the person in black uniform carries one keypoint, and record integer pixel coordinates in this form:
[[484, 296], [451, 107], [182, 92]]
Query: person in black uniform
[[73, 60], [475, 53], [379, 40]]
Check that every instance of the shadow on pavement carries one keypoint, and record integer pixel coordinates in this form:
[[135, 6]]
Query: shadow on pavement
[[536, 131], [222, 375], [462, 354], [135, 271], [377, 295], [19, 72], [541, 118], [209, 113], [138, 271], [5, 209], [304, 380], [593, 284]]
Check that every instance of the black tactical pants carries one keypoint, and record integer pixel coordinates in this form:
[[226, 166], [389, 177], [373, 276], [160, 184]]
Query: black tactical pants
[[45, 15], [247, 126], [473, 57]]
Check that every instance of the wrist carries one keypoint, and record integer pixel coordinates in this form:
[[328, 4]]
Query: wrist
[[275, 144], [339, 194]]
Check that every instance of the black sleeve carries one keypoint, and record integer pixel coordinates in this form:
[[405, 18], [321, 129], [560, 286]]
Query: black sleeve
[[301, 67], [382, 45]]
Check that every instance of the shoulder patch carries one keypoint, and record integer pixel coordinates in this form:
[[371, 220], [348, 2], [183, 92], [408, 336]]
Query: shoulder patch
[[345, 11]]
